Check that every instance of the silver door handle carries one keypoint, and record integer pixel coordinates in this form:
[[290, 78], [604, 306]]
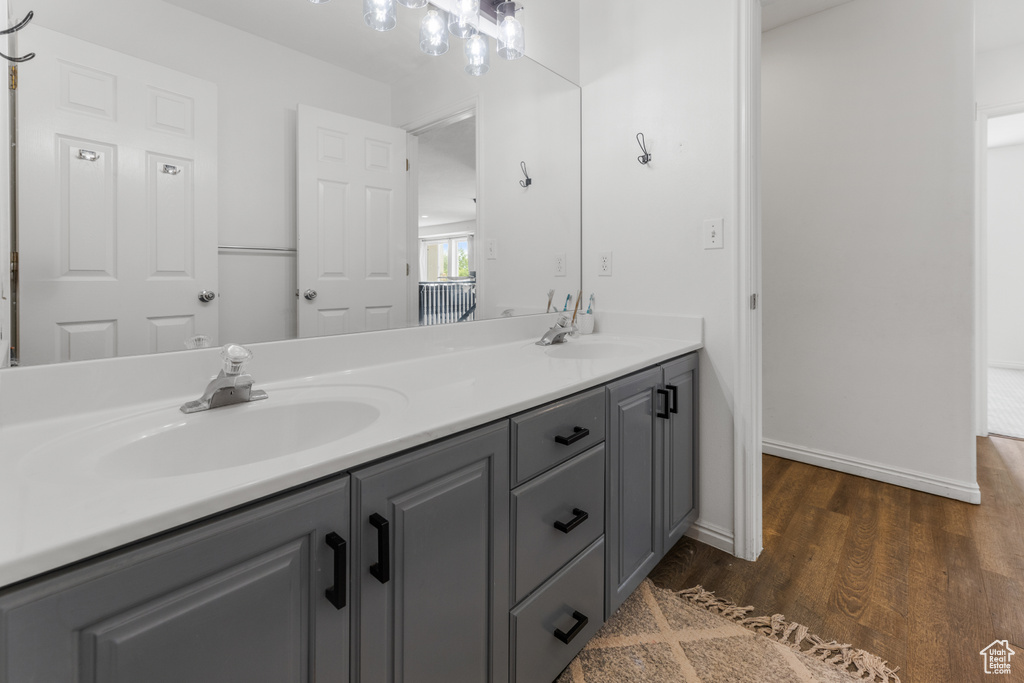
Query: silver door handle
[[206, 296], [309, 294]]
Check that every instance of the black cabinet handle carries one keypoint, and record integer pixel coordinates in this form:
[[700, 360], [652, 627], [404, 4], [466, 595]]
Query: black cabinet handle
[[581, 623], [663, 415], [566, 527], [336, 593], [577, 434], [382, 569], [675, 398]]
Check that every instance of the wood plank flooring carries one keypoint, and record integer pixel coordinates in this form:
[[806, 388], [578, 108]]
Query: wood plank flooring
[[923, 582]]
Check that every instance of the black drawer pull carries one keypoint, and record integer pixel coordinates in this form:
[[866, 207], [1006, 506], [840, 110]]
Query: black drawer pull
[[675, 398], [382, 569], [663, 415], [577, 434], [566, 527], [336, 593], [581, 623]]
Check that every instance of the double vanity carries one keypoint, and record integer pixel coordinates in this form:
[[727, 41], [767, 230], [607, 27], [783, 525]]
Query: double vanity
[[473, 512]]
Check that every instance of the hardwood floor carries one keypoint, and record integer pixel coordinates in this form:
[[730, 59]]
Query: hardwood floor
[[921, 581]]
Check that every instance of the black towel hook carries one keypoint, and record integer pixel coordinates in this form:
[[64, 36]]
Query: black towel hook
[[14, 29], [529, 180], [645, 157]]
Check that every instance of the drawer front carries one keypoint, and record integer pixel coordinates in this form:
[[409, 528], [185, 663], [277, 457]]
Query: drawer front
[[537, 435], [577, 591], [562, 496]]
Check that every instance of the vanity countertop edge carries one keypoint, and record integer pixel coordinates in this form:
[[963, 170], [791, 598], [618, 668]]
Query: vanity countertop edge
[[53, 514]]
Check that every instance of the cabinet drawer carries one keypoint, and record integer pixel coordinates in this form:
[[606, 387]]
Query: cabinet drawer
[[575, 592], [563, 496], [539, 436]]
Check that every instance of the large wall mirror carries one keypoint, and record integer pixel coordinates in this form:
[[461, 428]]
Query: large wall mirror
[[192, 172]]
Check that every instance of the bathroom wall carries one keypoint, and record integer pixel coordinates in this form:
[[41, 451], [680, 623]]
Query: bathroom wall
[[259, 86], [1005, 247], [541, 128], [670, 70], [999, 80], [868, 116]]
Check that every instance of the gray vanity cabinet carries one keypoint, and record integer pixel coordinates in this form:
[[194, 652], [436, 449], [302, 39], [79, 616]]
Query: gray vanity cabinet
[[433, 562], [652, 465], [680, 449], [241, 598]]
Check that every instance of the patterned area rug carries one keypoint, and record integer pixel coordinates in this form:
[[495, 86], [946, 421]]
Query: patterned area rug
[[1006, 402], [658, 636]]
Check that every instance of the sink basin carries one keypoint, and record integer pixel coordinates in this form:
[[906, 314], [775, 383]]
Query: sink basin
[[167, 443], [584, 350]]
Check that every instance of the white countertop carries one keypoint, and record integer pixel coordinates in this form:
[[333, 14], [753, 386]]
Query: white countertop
[[58, 507]]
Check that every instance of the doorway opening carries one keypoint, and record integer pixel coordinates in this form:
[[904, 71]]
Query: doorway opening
[[1001, 279]]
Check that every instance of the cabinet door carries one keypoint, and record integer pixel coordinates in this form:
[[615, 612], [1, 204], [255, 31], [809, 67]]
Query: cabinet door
[[433, 563], [237, 599], [680, 448], [635, 520]]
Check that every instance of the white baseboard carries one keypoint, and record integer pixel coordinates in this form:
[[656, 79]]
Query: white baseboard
[[919, 481], [713, 535], [1005, 365]]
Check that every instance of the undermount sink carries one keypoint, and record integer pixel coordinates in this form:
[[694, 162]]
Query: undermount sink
[[587, 350], [166, 443]]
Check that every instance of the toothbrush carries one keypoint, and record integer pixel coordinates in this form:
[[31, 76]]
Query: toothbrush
[[551, 295], [590, 306], [576, 308], [568, 298]]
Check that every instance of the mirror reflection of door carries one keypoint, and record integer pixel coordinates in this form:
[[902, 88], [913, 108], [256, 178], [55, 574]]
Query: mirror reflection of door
[[447, 195], [117, 204], [351, 224]]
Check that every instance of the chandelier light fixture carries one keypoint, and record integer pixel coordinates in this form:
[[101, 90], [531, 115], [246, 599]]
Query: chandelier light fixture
[[380, 14], [459, 18], [478, 56], [511, 38], [434, 33]]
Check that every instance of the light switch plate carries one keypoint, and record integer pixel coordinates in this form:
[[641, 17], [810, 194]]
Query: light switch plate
[[492, 250], [714, 233]]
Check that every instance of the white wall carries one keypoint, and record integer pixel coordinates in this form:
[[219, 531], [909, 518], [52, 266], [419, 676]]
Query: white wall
[[999, 76], [525, 113], [670, 70], [1005, 247], [868, 112], [259, 86]]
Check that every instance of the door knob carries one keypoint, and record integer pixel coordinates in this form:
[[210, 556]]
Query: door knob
[[309, 294], [206, 296]]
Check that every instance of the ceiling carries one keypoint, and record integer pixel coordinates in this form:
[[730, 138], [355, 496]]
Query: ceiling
[[333, 32], [998, 23]]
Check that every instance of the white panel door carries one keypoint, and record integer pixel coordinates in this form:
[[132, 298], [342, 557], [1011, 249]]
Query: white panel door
[[351, 193], [117, 204]]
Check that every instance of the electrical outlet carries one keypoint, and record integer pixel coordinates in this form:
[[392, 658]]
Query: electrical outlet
[[714, 233], [560, 265], [492, 250], [604, 264]]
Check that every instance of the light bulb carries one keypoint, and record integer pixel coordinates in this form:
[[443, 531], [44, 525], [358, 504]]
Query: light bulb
[[380, 14], [413, 4], [511, 39], [463, 17], [478, 58], [434, 33]]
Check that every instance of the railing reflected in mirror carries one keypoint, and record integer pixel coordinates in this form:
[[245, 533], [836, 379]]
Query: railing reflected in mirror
[[161, 160]]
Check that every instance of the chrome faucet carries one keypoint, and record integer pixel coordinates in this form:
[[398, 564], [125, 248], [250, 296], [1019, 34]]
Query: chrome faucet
[[230, 386], [557, 334]]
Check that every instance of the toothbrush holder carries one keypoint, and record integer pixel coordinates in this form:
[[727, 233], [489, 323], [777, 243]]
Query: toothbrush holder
[[585, 321]]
